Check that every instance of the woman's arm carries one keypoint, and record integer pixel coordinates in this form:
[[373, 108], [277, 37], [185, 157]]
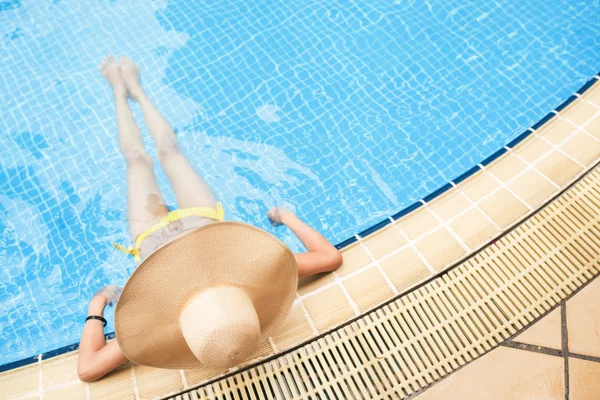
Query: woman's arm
[[321, 256], [96, 358]]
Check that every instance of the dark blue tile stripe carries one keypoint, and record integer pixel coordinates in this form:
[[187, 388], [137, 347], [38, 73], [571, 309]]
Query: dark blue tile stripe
[[45, 356], [18, 364], [519, 139], [467, 174], [346, 243], [587, 85], [438, 192], [375, 228], [494, 156], [565, 103], [542, 121], [407, 210]]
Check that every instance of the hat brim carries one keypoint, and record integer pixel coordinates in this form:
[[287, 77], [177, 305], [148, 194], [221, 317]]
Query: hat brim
[[220, 253]]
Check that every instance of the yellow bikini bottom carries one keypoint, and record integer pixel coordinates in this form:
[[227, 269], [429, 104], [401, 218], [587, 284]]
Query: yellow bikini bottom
[[217, 214]]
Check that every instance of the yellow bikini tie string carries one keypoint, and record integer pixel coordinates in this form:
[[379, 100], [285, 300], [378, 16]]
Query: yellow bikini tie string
[[173, 216]]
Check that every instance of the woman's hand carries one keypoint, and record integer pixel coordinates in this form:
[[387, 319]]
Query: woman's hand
[[277, 215], [110, 294]]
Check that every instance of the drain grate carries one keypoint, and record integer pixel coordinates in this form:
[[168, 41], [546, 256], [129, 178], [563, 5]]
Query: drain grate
[[410, 343]]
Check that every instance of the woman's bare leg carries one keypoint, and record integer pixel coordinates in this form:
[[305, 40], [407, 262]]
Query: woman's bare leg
[[145, 204], [191, 190]]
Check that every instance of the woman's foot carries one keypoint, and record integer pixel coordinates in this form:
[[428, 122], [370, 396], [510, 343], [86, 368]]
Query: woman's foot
[[112, 73], [131, 76]]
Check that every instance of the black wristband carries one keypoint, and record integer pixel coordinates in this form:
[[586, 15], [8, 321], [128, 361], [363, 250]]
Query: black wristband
[[96, 317]]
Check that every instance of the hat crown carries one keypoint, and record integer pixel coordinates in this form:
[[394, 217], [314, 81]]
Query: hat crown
[[220, 326]]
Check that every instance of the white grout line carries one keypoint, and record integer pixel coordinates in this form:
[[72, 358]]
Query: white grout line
[[531, 166], [590, 102], [559, 149], [411, 244], [504, 185], [445, 224], [373, 259], [306, 314], [183, 378], [475, 205], [345, 291], [134, 384], [87, 391]]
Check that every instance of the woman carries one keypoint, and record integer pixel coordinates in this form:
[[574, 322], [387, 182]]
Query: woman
[[151, 224]]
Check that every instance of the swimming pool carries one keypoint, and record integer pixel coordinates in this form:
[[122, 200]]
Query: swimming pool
[[349, 112]]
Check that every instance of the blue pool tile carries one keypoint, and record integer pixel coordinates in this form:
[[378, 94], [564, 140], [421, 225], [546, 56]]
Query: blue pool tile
[[493, 157], [19, 363], [565, 103], [407, 210], [519, 139], [374, 228], [586, 86], [346, 243], [466, 175], [438, 192], [542, 121]]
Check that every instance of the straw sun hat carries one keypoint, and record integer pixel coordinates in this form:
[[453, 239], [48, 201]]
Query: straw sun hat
[[206, 298]]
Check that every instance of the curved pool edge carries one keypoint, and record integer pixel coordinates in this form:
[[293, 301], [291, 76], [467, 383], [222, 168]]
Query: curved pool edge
[[435, 233]]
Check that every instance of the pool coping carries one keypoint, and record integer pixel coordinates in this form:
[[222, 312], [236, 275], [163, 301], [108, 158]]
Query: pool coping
[[353, 321], [384, 223]]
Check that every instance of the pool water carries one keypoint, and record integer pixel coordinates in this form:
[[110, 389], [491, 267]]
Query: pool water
[[347, 111]]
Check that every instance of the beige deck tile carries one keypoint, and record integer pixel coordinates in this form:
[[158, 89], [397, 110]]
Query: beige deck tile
[[309, 283], [593, 127], [264, 349], [504, 374], [558, 167], [583, 320], [355, 257], [195, 376], [532, 149], [532, 188], [368, 289], [503, 208], [449, 204], [384, 241], [115, 385], [506, 167], [294, 329], [546, 332], [579, 112], [19, 382], [328, 308], [583, 148], [557, 130], [417, 223], [60, 370], [440, 248], [478, 186], [584, 379], [593, 94], [473, 228], [404, 269], [73, 392], [154, 382]]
